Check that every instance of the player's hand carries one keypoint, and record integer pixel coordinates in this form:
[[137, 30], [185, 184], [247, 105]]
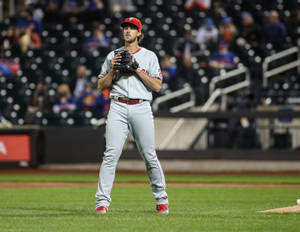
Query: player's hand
[[116, 60], [134, 65]]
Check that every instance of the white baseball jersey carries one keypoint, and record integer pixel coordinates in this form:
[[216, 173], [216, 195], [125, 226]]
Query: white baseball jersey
[[128, 85]]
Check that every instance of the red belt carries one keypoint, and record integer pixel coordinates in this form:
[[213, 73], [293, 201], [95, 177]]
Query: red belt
[[129, 101]]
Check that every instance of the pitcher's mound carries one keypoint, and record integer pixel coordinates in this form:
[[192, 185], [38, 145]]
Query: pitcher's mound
[[290, 209]]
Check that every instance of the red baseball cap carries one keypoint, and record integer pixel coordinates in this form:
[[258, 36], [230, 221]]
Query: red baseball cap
[[132, 20]]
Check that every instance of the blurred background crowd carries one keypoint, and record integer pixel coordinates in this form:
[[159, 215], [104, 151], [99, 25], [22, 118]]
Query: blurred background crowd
[[51, 52]]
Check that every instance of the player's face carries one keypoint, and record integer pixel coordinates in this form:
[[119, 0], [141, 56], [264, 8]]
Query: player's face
[[130, 33]]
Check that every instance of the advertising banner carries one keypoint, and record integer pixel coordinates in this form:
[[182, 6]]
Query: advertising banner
[[14, 148]]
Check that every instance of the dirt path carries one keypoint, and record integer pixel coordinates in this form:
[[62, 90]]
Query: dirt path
[[200, 185], [76, 184], [96, 172]]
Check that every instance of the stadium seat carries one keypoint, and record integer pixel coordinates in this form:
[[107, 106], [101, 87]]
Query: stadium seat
[[164, 25]]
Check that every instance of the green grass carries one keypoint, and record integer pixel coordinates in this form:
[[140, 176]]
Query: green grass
[[132, 209], [259, 179]]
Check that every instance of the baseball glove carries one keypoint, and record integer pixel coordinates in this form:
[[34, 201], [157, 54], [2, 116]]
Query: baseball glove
[[127, 65]]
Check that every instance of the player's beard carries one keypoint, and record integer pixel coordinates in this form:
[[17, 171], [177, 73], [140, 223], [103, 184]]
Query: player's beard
[[131, 39]]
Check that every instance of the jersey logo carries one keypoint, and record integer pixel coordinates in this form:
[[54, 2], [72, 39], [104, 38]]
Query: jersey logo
[[144, 71]]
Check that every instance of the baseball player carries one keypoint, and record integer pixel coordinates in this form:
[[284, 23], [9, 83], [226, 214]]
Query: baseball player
[[132, 72]]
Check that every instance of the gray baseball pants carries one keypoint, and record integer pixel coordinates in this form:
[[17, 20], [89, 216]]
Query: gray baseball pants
[[138, 119]]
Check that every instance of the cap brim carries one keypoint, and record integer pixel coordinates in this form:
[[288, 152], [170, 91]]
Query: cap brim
[[127, 23]]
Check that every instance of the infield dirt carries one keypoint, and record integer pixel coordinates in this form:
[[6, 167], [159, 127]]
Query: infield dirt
[[289, 209]]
